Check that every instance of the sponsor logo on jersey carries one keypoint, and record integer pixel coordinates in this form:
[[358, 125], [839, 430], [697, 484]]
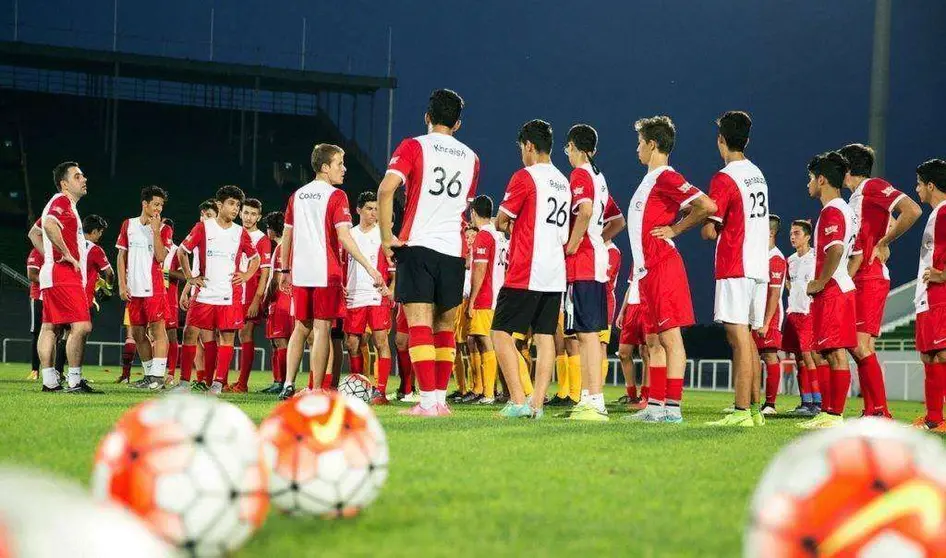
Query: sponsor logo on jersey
[[481, 251], [887, 191], [831, 229], [577, 191], [394, 160], [776, 275], [685, 187]]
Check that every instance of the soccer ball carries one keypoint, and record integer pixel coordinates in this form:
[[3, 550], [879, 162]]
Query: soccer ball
[[357, 386], [191, 467], [872, 488], [327, 453], [44, 517]]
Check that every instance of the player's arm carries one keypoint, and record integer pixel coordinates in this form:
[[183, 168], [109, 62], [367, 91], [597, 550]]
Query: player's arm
[[854, 263], [619, 319], [709, 230], [109, 275], [32, 273], [241, 277], [701, 208], [177, 274], [122, 262], [771, 306], [350, 246], [582, 219], [36, 239], [477, 275], [51, 227], [503, 223], [908, 211], [160, 249], [389, 185], [613, 227], [284, 251], [832, 259]]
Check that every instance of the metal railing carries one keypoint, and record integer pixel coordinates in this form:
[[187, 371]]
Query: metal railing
[[15, 275]]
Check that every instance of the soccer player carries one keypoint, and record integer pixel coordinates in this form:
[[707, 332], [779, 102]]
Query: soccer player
[[62, 279], [461, 326], [604, 336], [768, 338], [930, 298], [254, 291], [317, 226], [740, 228], [636, 332], [664, 289], [279, 321], [93, 227], [490, 249], [143, 244], [535, 210], [440, 175], [405, 369], [206, 353], [797, 333], [874, 202], [832, 307], [34, 262], [172, 280], [218, 304], [367, 306]]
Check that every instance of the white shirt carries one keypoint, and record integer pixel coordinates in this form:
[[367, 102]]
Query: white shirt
[[360, 285], [927, 248], [801, 271], [313, 213], [222, 249]]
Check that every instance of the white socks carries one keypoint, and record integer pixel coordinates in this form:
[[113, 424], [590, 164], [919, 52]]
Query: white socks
[[441, 396], [50, 377], [159, 367], [428, 399], [146, 364], [74, 376], [596, 401]]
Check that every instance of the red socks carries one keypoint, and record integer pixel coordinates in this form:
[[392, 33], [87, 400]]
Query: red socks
[[188, 354], [423, 356], [445, 352], [935, 385], [327, 381], [804, 380], [824, 384], [632, 392], [674, 390], [645, 393], [384, 371], [871, 376], [658, 384], [840, 385], [773, 374], [405, 371], [128, 356], [210, 361], [356, 364], [247, 352], [279, 370], [224, 358]]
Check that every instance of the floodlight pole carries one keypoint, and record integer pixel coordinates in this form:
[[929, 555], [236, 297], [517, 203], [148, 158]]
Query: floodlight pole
[[16, 20], [211, 34], [390, 96], [880, 85], [114, 25], [303, 43]]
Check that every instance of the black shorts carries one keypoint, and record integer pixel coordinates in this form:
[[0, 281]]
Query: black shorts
[[586, 307], [36, 315], [517, 310], [427, 276]]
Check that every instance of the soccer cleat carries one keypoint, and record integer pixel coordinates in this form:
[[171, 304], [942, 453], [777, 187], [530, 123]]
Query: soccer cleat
[[640, 405], [199, 386], [455, 394], [768, 410], [216, 388], [181, 387], [33, 376], [741, 419], [149, 382], [588, 413], [287, 392], [487, 401], [882, 413], [169, 381], [729, 410], [411, 397], [672, 418], [126, 378], [651, 413], [758, 418], [623, 400], [803, 410], [511, 410], [58, 388], [822, 420], [561, 402], [502, 398], [538, 414], [380, 399], [471, 398], [443, 410], [418, 411], [239, 388], [83, 387], [275, 387]]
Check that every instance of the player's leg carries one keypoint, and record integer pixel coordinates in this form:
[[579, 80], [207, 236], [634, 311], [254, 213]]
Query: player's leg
[[383, 348], [807, 357], [294, 349], [143, 345], [75, 351], [60, 364], [561, 365], [46, 347], [488, 370], [173, 352], [544, 366], [156, 370], [224, 360], [934, 365], [356, 363], [773, 376], [524, 360], [870, 298], [605, 363], [590, 354], [573, 352], [626, 358], [247, 355], [474, 342], [445, 352], [672, 342], [405, 369]]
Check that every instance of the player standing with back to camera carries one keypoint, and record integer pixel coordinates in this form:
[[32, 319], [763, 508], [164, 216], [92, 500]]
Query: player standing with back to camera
[[440, 175]]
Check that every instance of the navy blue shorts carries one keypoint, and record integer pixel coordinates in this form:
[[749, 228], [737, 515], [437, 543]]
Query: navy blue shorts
[[586, 307]]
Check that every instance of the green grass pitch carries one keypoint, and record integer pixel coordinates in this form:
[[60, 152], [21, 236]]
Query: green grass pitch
[[473, 484]]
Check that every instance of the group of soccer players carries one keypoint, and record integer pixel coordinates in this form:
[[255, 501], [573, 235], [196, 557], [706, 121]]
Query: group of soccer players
[[539, 273]]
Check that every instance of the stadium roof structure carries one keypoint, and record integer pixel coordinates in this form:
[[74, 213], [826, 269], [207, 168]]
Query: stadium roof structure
[[186, 71]]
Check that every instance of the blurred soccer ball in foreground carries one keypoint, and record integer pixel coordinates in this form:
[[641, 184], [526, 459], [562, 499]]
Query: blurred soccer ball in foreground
[[44, 517], [328, 455], [357, 386], [191, 467], [871, 488]]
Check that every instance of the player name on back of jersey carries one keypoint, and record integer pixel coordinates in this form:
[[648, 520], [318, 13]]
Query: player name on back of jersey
[[458, 152]]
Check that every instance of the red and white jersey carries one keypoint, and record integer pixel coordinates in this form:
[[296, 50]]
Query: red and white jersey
[[143, 273], [872, 201], [264, 248], [314, 212], [633, 289], [490, 247], [171, 263], [801, 271], [279, 300], [590, 262], [932, 254], [220, 251], [359, 286], [54, 271], [96, 262], [440, 175], [656, 202], [778, 267], [34, 261], [836, 225], [742, 198], [614, 268], [538, 198]]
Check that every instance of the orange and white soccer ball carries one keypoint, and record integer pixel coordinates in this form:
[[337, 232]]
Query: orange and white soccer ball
[[871, 488], [357, 386], [45, 517], [191, 467], [327, 453]]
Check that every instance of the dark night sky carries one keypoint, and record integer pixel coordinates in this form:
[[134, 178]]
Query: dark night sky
[[800, 67]]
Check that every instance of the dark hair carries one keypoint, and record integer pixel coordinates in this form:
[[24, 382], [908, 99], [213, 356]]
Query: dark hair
[[734, 126], [933, 171], [860, 158], [275, 221], [774, 221], [831, 165], [254, 203], [322, 154], [482, 205], [91, 223], [148, 193], [659, 129], [207, 205], [168, 221], [803, 224], [538, 133], [225, 193], [366, 197], [444, 108], [61, 172], [585, 139]]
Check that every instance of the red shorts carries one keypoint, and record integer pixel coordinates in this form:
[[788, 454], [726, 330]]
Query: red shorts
[[636, 325], [400, 322], [833, 318], [772, 339], [65, 304], [666, 293], [279, 324], [212, 316], [870, 299], [172, 313], [144, 310], [797, 334], [246, 311], [378, 318], [318, 303], [930, 330]]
